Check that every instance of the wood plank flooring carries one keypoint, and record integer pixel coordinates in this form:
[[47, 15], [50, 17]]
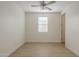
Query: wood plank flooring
[[42, 50]]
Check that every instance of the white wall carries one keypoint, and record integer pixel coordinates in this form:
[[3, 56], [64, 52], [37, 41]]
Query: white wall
[[72, 27], [12, 27], [54, 28]]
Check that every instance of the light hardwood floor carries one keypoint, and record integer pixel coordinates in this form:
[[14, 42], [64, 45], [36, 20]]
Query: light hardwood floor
[[42, 50]]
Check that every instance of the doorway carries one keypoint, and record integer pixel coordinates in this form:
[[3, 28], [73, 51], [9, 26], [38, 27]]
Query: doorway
[[63, 28]]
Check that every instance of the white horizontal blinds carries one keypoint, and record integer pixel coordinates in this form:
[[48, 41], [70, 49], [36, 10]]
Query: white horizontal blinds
[[42, 24]]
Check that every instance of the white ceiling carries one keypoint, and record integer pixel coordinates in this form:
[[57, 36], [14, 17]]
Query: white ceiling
[[56, 7]]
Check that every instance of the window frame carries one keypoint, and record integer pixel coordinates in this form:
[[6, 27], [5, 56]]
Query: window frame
[[43, 24]]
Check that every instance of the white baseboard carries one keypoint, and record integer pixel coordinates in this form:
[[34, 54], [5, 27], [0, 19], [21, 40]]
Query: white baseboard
[[19, 45], [13, 50], [72, 51]]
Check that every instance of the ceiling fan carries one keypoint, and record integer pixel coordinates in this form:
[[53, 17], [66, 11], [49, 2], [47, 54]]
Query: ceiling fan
[[43, 4]]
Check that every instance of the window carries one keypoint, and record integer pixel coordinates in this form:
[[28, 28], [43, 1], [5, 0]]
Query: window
[[42, 24]]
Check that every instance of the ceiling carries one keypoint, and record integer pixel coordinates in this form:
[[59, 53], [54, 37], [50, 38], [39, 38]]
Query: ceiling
[[56, 7]]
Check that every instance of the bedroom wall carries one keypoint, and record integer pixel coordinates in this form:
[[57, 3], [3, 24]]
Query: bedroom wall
[[12, 27], [54, 27], [72, 27]]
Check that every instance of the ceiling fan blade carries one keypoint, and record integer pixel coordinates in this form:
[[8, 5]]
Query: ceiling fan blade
[[48, 8], [51, 2], [35, 5]]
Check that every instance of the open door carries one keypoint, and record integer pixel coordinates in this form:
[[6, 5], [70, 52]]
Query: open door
[[63, 28]]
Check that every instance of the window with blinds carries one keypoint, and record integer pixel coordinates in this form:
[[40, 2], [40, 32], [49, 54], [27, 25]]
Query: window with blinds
[[42, 24]]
